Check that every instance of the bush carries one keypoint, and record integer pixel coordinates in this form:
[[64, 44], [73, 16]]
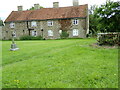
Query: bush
[[27, 37], [108, 39], [64, 34]]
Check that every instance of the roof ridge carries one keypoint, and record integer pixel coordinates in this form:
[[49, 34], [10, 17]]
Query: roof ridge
[[48, 13], [53, 8]]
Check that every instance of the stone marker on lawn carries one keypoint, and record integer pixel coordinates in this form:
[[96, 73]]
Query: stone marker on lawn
[[13, 45]]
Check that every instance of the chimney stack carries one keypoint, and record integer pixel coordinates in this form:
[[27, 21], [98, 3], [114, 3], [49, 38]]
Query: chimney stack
[[55, 4], [20, 8], [75, 2], [36, 6]]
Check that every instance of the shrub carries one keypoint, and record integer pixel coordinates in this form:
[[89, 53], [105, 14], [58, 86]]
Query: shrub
[[27, 37], [108, 38], [64, 34]]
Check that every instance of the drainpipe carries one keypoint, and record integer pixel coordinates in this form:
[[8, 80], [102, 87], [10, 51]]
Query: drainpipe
[[28, 28]]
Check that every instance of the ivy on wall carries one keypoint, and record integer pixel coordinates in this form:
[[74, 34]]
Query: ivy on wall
[[65, 24]]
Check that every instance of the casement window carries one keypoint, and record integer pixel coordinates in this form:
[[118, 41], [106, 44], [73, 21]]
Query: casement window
[[34, 33], [75, 22], [60, 31], [50, 33], [12, 25], [33, 23], [14, 33], [75, 32], [50, 23]]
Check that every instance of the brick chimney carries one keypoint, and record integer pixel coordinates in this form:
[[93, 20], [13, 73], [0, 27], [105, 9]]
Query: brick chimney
[[36, 6], [20, 8], [55, 4], [75, 2]]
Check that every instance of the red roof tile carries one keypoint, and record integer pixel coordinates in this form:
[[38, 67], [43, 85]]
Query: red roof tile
[[48, 13]]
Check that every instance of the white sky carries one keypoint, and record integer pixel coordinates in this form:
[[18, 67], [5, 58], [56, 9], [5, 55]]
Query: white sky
[[7, 6]]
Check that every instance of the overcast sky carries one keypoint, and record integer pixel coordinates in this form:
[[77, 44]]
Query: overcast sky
[[6, 6]]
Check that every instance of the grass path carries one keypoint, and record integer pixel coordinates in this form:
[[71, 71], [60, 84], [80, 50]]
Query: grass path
[[59, 64]]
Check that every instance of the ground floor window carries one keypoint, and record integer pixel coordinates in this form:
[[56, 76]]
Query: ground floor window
[[50, 33], [75, 32], [14, 33], [60, 31], [34, 33]]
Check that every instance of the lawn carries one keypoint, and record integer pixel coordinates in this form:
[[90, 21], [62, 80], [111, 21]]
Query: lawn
[[71, 63]]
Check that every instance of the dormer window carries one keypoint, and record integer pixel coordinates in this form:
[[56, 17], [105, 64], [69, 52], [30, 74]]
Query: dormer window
[[50, 23], [12, 25], [33, 24], [75, 22]]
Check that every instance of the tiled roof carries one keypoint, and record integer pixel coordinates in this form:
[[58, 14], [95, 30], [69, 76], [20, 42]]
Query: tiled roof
[[48, 13]]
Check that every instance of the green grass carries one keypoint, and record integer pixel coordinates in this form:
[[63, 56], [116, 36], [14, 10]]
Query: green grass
[[71, 63]]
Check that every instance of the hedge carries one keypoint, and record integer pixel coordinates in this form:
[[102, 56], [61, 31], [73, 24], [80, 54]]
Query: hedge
[[27, 37], [108, 39]]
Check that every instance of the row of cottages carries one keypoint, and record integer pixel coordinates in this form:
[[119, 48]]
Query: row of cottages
[[48, 22]]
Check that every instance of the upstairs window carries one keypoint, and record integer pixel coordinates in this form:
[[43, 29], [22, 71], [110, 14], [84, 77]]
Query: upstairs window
[[50, 33], [50, 23], [75, 22], [33, 23], [12, 25], [75, 32]]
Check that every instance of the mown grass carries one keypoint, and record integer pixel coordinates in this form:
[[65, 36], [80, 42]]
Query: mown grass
[[69, 63]]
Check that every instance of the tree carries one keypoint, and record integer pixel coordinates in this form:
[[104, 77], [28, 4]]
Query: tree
[[33, 8], [110, 16], [1, 23], [94, 24]]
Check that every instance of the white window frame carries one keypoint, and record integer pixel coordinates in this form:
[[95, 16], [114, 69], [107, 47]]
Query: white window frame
[[50, 33], [12, 25], [50, 23], [33, 24], [14, 33], [60, 31], [75, 22], [75, 32], [34, 33]]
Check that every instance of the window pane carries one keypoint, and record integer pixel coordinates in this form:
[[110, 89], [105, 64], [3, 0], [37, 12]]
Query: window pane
[[50, 33], [33, 23], [14, 33], [34, 33], [50, 23], [60, 31], [12, 25], [75, 32], [75, 22]]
